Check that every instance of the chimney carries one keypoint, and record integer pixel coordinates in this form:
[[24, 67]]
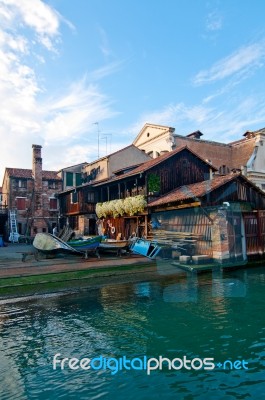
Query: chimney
[[37, 167], [195, 135], [249, 135]]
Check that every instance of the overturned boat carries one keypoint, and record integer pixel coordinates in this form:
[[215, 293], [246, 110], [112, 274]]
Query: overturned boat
[[48, 243]]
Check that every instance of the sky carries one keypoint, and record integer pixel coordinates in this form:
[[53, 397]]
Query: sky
[[73, 71]]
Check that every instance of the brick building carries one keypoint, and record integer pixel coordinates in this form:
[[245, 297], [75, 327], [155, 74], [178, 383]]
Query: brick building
[[32, 193]]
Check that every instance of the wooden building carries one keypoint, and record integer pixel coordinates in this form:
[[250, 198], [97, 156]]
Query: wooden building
[[151, 179], [226, 215]]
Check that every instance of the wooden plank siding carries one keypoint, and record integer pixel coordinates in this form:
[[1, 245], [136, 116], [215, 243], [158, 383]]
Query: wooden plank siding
[[183, 169], [254, 223], [235, 191], [190, 221], [251, 233], [85, 204]]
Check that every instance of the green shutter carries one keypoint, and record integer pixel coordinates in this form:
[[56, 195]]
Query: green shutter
[[69, 179], [78, 179]]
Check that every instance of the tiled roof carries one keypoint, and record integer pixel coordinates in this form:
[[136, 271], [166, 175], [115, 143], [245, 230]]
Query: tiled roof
[[233, 155], [216, 153], [52, 175], [193, 191], [242, 151], [156, 161], [19, 172], [27, 173]]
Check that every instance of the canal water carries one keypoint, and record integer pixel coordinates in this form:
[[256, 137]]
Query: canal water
[[214, 321]]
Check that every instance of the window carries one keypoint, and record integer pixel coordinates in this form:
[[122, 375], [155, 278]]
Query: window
[[263, 186], [69, 179], [22, 183], [90, 197], [53, 203], [78, 179], [74, 197], [52, 185], [21, 203]]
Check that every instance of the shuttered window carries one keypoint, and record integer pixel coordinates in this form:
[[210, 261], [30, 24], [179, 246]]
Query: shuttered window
[[78, 179], [69, 179], [53, 203], [21, 203]]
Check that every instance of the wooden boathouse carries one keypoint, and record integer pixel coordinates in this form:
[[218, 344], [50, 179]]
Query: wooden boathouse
[[224, 215], [151, 179]]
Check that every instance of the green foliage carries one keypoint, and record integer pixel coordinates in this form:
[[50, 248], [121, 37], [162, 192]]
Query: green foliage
[[154, 183]]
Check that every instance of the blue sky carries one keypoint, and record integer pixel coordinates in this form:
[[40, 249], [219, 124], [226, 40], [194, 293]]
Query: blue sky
[[65, 65]]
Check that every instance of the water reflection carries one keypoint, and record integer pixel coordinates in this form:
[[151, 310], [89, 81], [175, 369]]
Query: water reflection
[[203, 316], [228, 288]]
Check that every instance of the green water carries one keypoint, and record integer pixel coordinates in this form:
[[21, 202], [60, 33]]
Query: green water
[[220, 317]]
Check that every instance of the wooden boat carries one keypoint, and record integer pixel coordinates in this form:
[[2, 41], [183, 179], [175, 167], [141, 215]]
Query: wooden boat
[[48, 243], [86, 245], [114, 245]]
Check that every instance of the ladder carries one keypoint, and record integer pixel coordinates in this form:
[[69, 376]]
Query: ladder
[[13, 237]]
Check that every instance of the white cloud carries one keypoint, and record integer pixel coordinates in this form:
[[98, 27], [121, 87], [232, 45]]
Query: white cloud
[[104, 46], [26, 115], [104, 71], [35, 14], [71, 115], [214, 21], [241, 61], [222, 123], [173, 115]]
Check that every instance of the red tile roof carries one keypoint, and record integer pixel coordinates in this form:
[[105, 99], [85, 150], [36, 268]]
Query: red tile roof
[[193, 191], [233, 155], [156, 161], [242, 151], [27, 173]]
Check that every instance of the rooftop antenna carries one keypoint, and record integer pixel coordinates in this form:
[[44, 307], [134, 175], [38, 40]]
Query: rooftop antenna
[[96, 123], [106, 135]]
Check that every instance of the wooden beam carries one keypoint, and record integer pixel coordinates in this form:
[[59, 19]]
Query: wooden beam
[[181, 206]]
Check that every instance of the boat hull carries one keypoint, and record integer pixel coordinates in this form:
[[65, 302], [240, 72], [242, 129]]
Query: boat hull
[[86, 244], [114, 244], [111, 245], [48, 243]]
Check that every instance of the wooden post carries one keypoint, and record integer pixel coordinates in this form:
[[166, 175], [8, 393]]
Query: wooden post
[[146, 225], [259, 232]]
